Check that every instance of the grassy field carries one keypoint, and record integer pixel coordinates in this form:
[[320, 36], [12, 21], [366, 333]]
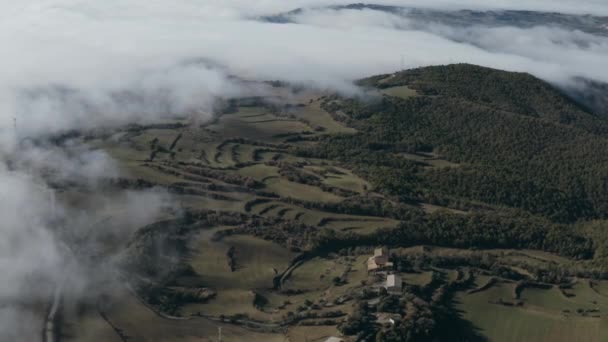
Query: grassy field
[[540, 318], [139, 323], [315, 278], [344, 179], [259, 171], [419, 279], [315, 275], [286, 188], [403, 92], [87, 326], [540, 313], [314, 114], [311, 334], [257, 263], [266, 126]]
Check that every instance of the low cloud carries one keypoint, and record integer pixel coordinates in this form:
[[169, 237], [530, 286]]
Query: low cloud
[[65, 237], [29, 255], [75, 63]]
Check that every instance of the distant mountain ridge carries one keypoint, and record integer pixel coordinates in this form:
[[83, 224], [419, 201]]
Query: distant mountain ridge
[[462, 18]]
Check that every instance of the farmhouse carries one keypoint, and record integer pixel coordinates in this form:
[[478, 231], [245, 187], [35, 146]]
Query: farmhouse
[[334, 339], [379, 260], [393, 283], [385, 318]]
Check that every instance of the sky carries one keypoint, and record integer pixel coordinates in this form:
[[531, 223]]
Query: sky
[[71, 64]]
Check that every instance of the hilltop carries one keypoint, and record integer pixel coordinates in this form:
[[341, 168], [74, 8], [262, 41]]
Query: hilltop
[[420, 17]]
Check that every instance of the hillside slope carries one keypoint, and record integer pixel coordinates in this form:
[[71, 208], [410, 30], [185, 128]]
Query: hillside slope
[[519, 141]]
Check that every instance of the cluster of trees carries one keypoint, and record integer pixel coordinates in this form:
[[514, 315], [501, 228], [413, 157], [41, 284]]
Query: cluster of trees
[[420, 323], [360, 323], [547, 273], [296, 236], [475, 230], [371, 159], [519, 93], [364, 205], [171, 299], [419, 313], [491, 231], [426, 313], [231, 258]]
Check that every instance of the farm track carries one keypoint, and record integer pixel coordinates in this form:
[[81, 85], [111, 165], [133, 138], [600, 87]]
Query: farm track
[[50, 332], [119, 332]]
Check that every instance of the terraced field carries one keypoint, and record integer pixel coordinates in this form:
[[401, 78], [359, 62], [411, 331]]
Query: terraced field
[[238, 163], [262, 280], [241, 162]]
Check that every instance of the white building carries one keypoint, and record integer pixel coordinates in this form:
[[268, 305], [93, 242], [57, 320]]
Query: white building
[[334, 339], [385, 318], [393, 283]]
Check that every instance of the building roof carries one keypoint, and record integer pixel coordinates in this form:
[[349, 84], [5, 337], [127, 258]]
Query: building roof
[[375, 263], [386, 318], [380, 252], [334, 339], [393, 280], [371, 264]]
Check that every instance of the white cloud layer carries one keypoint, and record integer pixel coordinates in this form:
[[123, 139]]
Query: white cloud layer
[[75, 63]]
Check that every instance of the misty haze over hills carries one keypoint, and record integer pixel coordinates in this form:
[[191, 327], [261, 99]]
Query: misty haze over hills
[[422, 17], [168, 167], [143, 47], [467, 27]]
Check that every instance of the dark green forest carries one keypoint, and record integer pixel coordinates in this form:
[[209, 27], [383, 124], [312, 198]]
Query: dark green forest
[[524, 158], [519, 141]]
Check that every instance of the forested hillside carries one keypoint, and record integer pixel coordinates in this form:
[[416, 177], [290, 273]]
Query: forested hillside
[[518, 142]]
